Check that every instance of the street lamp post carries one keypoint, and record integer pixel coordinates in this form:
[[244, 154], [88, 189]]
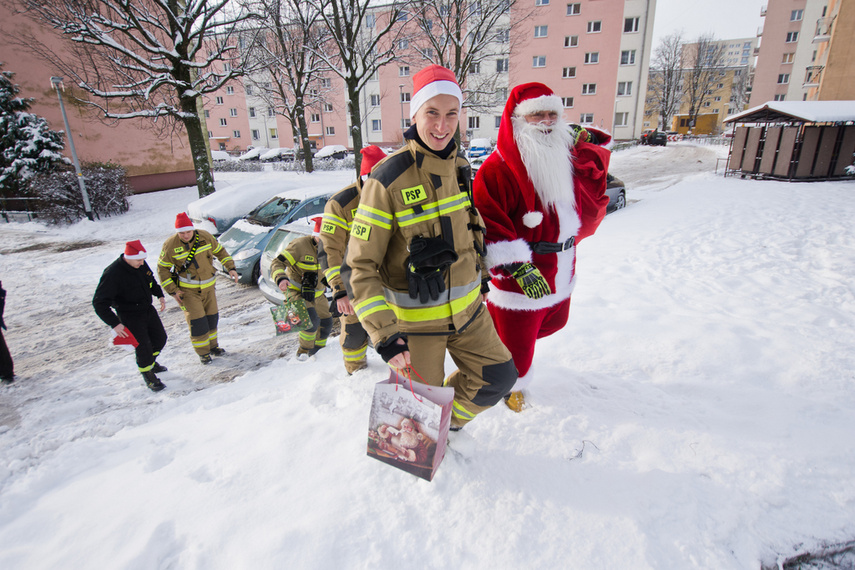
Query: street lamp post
[[57, 84]]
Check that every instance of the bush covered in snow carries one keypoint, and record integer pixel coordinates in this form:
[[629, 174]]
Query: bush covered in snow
[[324, 165], [27, 145], [60, 200], [238, 166]]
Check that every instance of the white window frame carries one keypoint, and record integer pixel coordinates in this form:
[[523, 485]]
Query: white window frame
[[624, 88], [568, 72], [474, 122], [632, 24], [627, 57], [541, 31], [236, 134], [595, 26], [589, 89], [233, 112], [375, 100], [568, 102], [792, 37], [592, 58], [224, 122], [625, 119], [538, 61], [586, 119], [330, 131], [314, 117], [574, 9], [571, 41], [783, 79], [404, 71], [376, 125]]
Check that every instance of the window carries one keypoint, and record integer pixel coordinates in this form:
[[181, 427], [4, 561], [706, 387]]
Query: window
[[571, 41], [595, 27], [592, 57], [223, 123], [574, 9], [624, 88], [716, 99], [326, 82], [783, 78], [252, 112], [227, 67], [541, 2], [210, 135], [255, 134], [375, 76], [791, 37], [249, 89], [230, 90], [540, 31], [586, 118], [236, 134], [474, 122], [497, 121], [567, 102], [538, 61], [627, 57], [370, 20], [233, 112], [404, 71], [402, 16], [274, 133], [788, 58], [589, 89], [405, 124], [405, 97], [316, 117], [475, 68], [621, 119], [502, 65], [330, 131], [328, 108], [376, 125], [501, 95], [779, 97], [207, 114], [503, 36], [375, 100], [630, 25], [271, 112], [403, 44], [219, 100], [568, 72], [796, 15]]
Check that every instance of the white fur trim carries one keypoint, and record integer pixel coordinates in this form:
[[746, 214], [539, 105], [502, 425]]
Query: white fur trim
[[185, 229], [504, 252], [433, 89], [140, 255], [519, 302], [542, 103], [532, 219]]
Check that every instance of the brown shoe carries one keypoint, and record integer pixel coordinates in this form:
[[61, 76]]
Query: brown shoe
[[515, 401]]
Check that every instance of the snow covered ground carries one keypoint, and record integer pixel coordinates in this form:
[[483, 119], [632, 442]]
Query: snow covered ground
[[696, 412]]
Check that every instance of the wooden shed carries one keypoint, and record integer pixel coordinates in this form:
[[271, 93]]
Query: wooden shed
[[793, 140]]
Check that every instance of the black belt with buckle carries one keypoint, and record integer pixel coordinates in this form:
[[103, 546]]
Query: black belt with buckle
[[544, 247]]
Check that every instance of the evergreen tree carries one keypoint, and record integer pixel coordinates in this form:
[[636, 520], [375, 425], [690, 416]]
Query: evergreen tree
[[27, 145]]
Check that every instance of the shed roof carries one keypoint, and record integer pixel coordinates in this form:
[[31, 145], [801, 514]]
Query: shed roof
[[798, 111]]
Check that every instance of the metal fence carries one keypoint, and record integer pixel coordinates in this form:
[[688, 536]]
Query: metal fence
[[18, 209]]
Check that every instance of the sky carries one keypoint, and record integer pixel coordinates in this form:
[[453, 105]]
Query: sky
[[727, 19], [695, 412]]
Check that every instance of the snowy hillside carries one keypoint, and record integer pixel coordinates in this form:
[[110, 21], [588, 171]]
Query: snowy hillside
[[696, 412]]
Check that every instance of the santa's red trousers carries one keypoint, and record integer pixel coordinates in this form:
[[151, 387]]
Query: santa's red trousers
[[520, 329]]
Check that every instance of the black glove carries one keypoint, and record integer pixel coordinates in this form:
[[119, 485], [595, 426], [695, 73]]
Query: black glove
[[429, 259], [310, 282], [334, 312], [530, 280], [389, 348]]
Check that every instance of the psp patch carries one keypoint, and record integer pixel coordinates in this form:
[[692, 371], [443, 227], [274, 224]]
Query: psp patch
[[328, 228], [414, 194], [361, 231]]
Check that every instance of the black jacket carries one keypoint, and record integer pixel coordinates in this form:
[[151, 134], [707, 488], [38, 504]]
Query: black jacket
[[125, 289]]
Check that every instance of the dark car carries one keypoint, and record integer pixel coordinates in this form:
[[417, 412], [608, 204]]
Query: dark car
[[653, 138], [616, 191]]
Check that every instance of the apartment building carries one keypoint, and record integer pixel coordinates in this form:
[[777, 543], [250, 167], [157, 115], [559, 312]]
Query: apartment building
[[802, 43]]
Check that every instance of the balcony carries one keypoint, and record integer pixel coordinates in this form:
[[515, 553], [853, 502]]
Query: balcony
[[813, 75], [823, 31], [762, 11], [760, 32]]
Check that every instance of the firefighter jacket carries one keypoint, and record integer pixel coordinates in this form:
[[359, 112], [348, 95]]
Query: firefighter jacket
[[413, 192], [335, 231], [299, 257], [125, 289], [201, 273]]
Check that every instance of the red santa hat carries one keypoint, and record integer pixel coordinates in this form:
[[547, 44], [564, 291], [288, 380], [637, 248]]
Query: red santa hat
[[317, 230], [431, 81], [371, 155], [183, 223], [135, 250]]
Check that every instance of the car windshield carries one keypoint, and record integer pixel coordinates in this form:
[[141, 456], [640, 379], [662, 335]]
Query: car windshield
[[271, 212], [280, 241]]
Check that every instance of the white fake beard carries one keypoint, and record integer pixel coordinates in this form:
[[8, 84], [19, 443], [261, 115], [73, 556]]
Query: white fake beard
[[546, 156]]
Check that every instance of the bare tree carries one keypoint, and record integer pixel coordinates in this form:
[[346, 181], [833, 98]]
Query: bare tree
[[359, 42], [149, 59], [704, 70], [666, 78], [293, 36]]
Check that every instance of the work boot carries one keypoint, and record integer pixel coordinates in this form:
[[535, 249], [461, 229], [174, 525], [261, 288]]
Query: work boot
[[205, 358], [303, 354], [355, 368], [153, 382], [158, 368], [217, 351], [515, 401]]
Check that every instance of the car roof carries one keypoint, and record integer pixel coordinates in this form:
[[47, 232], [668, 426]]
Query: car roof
[[301, 194]]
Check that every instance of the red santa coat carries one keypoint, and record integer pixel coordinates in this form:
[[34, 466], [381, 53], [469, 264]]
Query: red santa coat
[[516, 218]]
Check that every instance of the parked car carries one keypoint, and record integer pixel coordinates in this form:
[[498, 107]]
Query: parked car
[[253, 153], [277, 154], [220, 156], [475, 163], [332, 151], [279, 240], [616, 191], [218, 211], [248, 237], [653, 138], [479, 147]]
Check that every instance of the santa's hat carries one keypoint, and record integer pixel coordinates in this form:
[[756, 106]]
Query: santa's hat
[[317, 230], [533, 97], [134, 250], [371, 155], [183, 223], [431, 81]]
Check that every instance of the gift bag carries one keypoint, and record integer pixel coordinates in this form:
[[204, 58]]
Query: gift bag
[[408, 424], [291, 316], [129, 342]]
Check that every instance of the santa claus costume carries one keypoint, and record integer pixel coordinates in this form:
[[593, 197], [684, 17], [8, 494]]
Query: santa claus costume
[[537, 222]]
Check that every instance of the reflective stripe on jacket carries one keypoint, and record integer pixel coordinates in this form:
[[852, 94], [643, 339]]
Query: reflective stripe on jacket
[[201, 274], [300, 256], [335, 231]]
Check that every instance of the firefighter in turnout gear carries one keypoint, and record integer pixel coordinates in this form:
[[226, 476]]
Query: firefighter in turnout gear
[[295, 271], [335, 231], [127, 286], [414, 267], [186, 272]]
